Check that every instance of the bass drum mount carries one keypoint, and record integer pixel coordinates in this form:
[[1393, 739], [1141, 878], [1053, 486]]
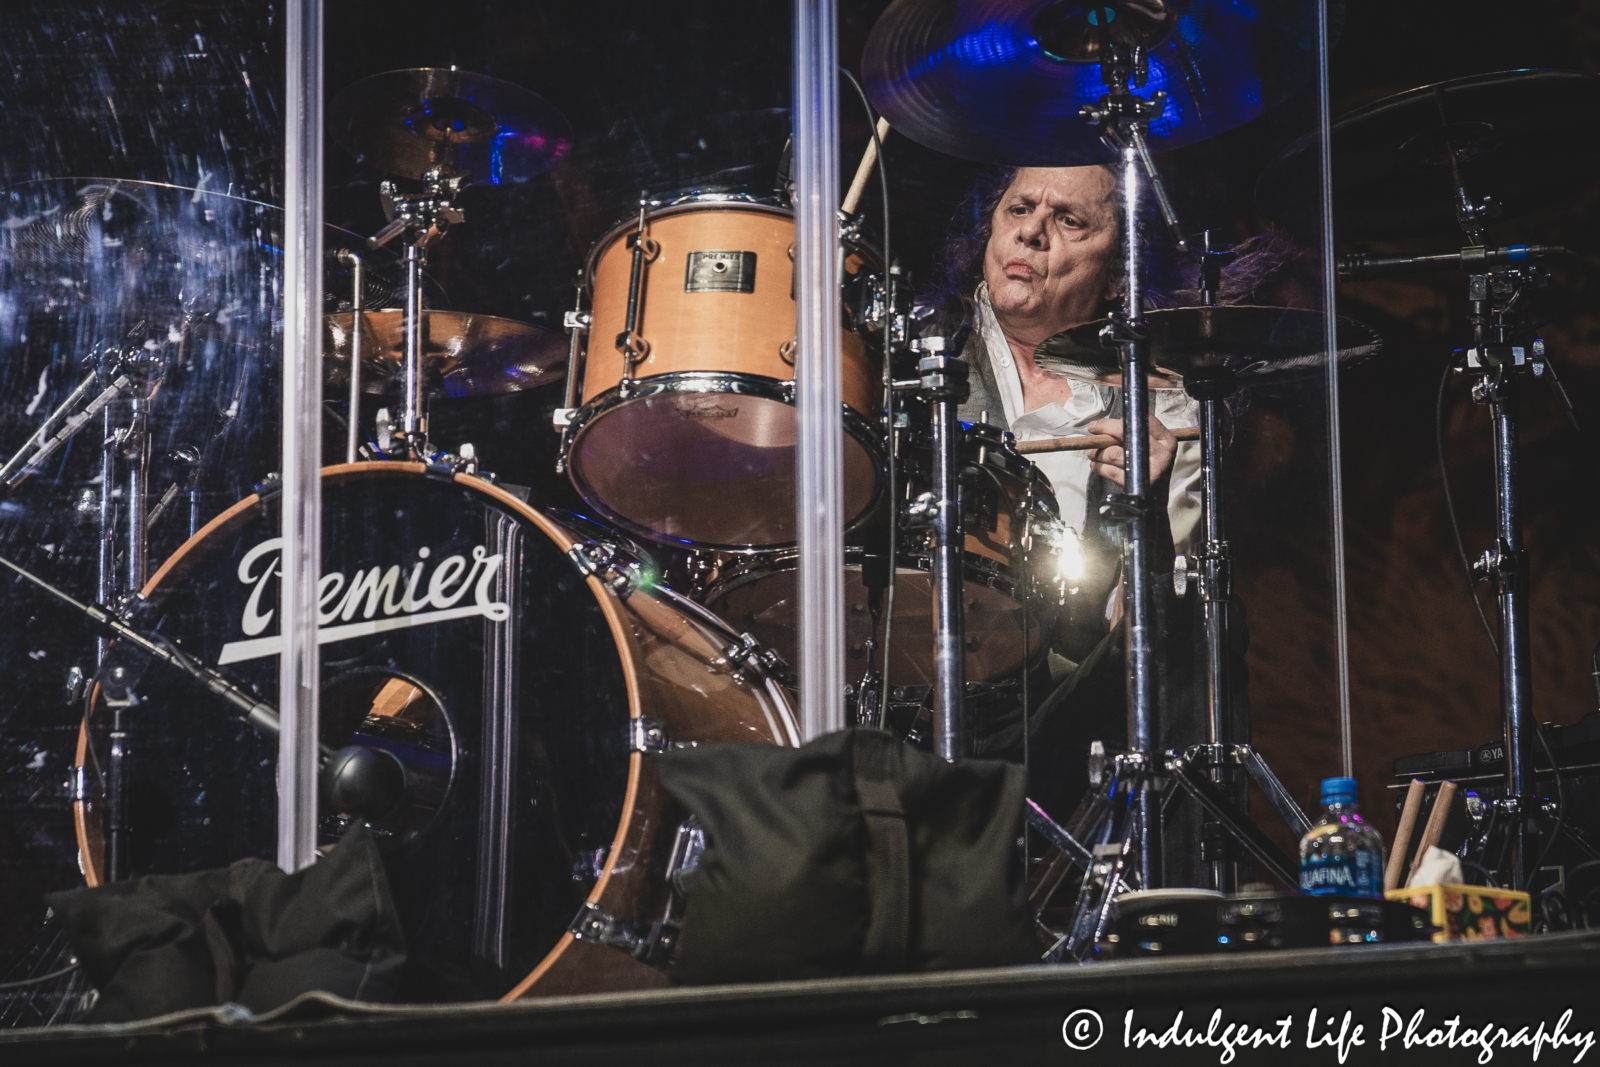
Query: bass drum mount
[[520, 673]]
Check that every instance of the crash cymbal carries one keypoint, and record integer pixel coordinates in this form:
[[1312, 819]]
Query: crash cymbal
[[1258, 344], [405, 122], [1001, 81], [463, 354], [1521, 136]]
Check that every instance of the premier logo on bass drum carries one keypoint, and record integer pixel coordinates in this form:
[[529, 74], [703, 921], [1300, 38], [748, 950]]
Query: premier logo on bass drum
[[371, 592]]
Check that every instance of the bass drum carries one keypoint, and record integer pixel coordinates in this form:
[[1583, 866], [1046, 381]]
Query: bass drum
[[519, 671]]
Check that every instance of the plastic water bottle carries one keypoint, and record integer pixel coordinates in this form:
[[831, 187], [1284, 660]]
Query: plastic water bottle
[[1342, 855]]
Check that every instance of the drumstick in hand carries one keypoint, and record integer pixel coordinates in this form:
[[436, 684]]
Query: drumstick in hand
[[1096, 440], [864, 172]]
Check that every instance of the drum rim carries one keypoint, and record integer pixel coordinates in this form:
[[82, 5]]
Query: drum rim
[[856, 425]]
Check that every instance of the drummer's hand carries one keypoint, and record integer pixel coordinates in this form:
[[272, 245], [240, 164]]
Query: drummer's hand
[[1108, 462]]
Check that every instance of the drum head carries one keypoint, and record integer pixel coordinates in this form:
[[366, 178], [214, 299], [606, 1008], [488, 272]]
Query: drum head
[[715, 469], [456, 634]]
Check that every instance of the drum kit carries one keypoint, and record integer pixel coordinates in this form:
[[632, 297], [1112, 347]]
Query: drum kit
[[497, 672]]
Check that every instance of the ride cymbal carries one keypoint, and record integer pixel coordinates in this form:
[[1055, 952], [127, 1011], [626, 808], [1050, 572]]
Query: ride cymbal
[[463, 354], [1520, 136], [406, 122], [1258, 344]]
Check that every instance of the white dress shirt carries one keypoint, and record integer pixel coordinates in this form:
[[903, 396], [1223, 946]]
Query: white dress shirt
[[1069, 471]]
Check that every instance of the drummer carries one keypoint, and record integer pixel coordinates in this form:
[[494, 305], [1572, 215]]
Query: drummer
[[1041, 256]]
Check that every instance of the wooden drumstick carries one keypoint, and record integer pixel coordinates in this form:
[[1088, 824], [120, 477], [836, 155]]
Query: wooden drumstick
[[864, 172], [1402, 835], [1435, 828], [1097, 440]]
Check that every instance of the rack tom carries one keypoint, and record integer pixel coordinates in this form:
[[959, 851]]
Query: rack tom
[[687, 434]]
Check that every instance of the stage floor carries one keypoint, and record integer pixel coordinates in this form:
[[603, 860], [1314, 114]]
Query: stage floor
[[1300, 1007]]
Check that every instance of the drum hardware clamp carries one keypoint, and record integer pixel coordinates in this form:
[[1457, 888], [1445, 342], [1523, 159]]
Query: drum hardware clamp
[[634, 348], [598, 559]]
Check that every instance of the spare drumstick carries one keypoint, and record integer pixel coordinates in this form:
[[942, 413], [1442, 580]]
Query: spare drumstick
[[864, 172], [1402, 835], [1094, 440], [1435, 828]]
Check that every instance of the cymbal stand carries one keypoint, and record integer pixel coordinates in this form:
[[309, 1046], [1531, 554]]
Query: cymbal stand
[[1122, 118], [420, 220], [1497, 366]]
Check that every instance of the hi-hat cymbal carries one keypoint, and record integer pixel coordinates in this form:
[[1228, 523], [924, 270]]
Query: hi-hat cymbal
[[406, 122], [463, 354], [1001, 81], [1258, 344], [1521, 136]]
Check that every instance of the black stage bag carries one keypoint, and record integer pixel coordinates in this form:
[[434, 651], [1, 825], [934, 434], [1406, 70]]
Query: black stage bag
[[855, 854], [247, 934]]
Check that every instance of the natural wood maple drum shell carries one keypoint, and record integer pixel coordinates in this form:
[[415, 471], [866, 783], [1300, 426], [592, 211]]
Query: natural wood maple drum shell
[[702, 448]]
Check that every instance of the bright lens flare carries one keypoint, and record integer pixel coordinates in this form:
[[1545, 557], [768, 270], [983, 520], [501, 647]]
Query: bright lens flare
[[1069, 556]]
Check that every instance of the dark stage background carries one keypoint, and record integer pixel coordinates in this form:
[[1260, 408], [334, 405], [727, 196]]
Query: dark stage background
[[1422, 672]]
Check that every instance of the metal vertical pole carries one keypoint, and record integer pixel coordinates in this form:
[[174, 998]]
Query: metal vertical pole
[[1516, 690], [412, 422], [300, 564], [819, 493], [1144, 735], [136, 502], [1215, 589], [358, 304], [1331, 344], [949, 624]]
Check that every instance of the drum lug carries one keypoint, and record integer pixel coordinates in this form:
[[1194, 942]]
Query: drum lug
[[78, 785], [647, 735], [593, 558]]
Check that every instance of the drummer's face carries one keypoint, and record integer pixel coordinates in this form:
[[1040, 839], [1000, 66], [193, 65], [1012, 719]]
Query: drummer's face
[[1051, 246]]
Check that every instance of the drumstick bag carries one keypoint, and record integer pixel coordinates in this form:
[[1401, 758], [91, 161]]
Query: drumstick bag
[[854, 854]]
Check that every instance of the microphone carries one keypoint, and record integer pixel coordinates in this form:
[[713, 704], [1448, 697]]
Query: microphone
[[1361, 266]]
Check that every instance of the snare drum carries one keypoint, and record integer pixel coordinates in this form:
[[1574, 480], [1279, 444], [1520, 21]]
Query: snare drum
[[1005, 501], [691, 438]]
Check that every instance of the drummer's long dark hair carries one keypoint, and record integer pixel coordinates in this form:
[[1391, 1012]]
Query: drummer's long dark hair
[[1171, 276]]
